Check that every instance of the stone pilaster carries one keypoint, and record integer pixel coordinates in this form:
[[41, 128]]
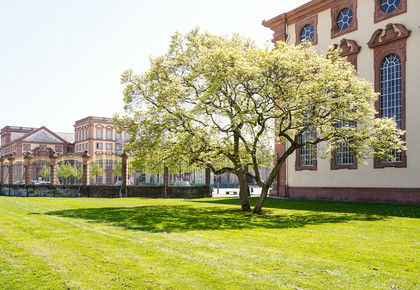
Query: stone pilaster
[[1, 169], [53, 166], [124, 170], [86, 169], [28, 172], [11, 160]]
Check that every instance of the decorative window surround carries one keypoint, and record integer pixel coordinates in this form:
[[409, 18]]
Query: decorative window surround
[[380, 15], [391, 40], [335, 12], [301, 24]]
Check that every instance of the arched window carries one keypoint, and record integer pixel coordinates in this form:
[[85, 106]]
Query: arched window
[[390, 58], [391, 92], [390, 105]]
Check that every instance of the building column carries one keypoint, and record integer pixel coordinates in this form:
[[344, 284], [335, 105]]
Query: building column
[[86, 171], [1, 169], [124, 170], [28, 172], [53, 167], [11, 160]]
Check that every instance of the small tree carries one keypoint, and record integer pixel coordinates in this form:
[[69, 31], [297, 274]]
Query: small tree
[[95, 171], [64, 171], [220, 102], [44, 172]]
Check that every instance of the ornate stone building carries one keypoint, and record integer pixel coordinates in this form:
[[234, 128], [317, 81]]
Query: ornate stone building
[[381, 39], [102, 141], [38, 141]]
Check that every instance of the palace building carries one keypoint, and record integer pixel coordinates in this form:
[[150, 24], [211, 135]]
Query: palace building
[[381, 38], [94, 134], [39, 141]]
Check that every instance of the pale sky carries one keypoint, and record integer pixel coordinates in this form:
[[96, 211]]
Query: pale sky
[[61, 61]]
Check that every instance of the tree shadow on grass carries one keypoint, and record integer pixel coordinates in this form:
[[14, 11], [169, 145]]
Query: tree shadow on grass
[[363, 208], [187, 218]]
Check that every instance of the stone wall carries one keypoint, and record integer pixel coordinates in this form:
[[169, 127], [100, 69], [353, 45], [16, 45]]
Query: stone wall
[[105, 191]]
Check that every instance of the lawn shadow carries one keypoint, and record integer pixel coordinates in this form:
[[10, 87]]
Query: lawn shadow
[[187, 218], [363, 208]]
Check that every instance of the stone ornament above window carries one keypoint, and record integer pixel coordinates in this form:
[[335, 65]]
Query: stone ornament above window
[[391, 33], [343, 18], [350, 49], [385, 9]]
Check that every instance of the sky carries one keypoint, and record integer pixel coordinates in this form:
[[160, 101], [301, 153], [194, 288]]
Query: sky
[[61, 61]]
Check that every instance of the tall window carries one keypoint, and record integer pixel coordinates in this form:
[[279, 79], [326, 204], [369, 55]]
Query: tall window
[[344, 157], [306, 155], [390, 56], [99, 133], [390, 105], [109, 134], [307, 152], [390, 101]]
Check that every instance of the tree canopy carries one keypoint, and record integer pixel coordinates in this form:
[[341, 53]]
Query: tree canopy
[[221, 102]]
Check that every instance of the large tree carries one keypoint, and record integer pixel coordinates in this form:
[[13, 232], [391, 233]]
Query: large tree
[[221, 101]]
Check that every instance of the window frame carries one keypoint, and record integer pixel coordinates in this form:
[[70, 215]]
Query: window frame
[[380, 15], [384, 42], [109, 134], [298, 166], [99, 136], [335, 12], [313, 20]]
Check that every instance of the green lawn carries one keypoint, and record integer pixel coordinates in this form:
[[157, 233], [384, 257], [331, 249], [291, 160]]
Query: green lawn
[[57, 243]]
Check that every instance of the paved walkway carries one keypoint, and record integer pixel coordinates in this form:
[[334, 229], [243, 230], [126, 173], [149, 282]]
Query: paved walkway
[[223, 192]]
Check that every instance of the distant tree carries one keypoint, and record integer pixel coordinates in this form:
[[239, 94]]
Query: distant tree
[[67, 171], [220, 102], [95, 171], [44, 172], [63, 171], [118, 169]]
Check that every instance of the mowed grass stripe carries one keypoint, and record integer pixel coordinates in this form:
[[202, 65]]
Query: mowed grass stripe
[[181, 244], [84, 254]]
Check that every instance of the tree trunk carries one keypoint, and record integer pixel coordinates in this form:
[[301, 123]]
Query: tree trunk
[[243, 192], [261, 199]]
